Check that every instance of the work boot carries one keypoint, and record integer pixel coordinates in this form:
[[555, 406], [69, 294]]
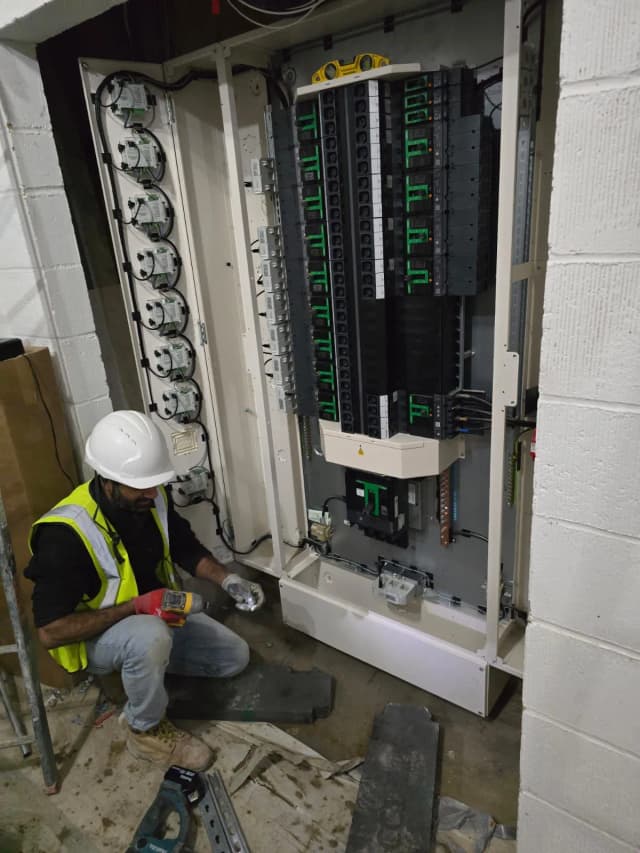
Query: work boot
[[166, 744]]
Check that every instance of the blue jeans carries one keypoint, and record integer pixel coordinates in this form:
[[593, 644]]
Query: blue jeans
[[143, 648]]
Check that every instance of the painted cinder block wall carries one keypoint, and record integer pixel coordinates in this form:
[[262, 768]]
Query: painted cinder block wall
[[580, 762], [43, 293]]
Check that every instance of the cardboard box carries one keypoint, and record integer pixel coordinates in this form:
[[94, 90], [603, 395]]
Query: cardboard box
[[31, 478]]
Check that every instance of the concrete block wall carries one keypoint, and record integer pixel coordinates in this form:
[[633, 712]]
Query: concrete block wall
[[43, 293], [580, 762]]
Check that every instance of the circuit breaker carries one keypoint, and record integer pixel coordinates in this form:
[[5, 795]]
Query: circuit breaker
[[397, 195], [377, 505]]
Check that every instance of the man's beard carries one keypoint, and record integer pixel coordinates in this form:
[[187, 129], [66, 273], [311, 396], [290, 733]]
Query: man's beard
[[138, 505]]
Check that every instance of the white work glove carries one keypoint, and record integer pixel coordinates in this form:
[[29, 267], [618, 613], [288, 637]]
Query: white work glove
[[247, 595]]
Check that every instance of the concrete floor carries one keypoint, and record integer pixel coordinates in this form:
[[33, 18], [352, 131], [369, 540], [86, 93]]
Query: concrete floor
[[480, 757], [105, 792]]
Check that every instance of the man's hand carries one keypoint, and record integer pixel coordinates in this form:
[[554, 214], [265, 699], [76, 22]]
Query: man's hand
[[246, 594], [151, 604]]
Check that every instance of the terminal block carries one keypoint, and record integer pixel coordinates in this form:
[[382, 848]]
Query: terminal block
[[150, 210], [194, 486], [174, 360], [285, 400], [269, 242], [131, 102], [282, 369], [277, 308], [262, 175], [397, 589], [182, 402], [137, 153], [159, 266], [165, 315], [279, 339], [272, 275]]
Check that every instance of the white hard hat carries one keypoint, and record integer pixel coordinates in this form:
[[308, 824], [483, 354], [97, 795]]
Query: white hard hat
[[129, 448]]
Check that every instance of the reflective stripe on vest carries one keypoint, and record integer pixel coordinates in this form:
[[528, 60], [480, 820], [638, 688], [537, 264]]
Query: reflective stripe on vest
[[97, 541]]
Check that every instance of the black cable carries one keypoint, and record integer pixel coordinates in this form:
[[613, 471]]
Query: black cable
[[493, 104], [134, 214], [220, 532], [178, 261], [470, 534], [161, 153], [180, 83], [51, 424], [488, 82], [363, 567], [327, 501], [490, 62], [519, 422]]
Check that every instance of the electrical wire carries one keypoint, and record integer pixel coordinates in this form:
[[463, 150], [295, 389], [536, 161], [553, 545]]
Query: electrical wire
[[51, 423], [470, 534], [493, 104], [262, 25], [294, 10], [221, 533], [363, 567], [327, 501], [489, 62]]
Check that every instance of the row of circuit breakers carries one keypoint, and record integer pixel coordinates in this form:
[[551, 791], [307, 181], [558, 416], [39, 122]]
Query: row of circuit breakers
[[152, 262], [397, 192]]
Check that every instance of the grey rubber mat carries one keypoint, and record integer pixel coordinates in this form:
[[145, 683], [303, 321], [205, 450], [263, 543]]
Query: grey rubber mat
[[395, 806], [267, 693]]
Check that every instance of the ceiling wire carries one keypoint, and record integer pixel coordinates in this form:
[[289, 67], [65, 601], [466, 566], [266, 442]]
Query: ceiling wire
[[273, 26], [291, 10]]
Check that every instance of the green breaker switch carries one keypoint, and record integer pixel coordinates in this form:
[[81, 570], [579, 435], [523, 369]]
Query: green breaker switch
[[326, 376], [417, 278], [418, 410], [372, 492], [320, 278], [314, 204], [323, 312], [415, 193], [317, 241], [415, 148], [329, 408], [310, 165], [308, 122], [417, 237], [324, 345]]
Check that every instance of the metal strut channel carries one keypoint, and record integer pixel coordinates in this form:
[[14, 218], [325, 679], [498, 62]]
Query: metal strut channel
[[219, 818]]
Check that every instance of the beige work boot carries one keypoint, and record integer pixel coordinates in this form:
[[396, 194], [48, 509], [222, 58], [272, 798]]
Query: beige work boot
[[166, 744]]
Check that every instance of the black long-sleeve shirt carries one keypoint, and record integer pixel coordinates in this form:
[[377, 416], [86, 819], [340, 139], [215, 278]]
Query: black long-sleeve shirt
[[63, 572]]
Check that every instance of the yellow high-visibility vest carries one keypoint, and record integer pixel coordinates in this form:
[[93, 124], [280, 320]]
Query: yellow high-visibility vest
[[117, 579]]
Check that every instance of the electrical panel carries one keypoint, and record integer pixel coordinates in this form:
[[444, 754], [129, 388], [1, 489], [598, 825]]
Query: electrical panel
[[397, 192], [310, 274]]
